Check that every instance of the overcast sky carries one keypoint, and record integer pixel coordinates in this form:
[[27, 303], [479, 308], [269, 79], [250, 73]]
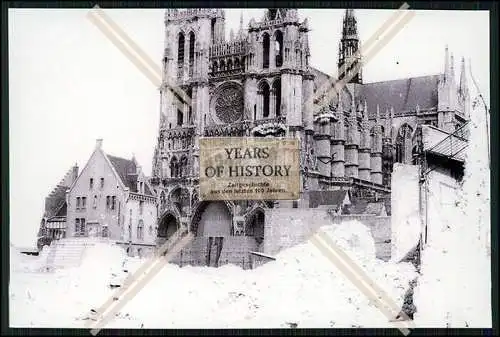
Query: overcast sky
[[69, 85]]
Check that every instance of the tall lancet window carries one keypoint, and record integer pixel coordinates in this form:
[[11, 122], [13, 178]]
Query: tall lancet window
[[264, 99], [265, 51], [373, 140], [180, 51], [278, 36], [277, 96], [191, 51]]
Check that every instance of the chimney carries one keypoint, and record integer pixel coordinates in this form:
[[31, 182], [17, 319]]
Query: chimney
[[98, 143]]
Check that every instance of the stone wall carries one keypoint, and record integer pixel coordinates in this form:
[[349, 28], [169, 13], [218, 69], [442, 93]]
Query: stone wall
[[285, 228], [235, 250], [405, 207], [380, 227]]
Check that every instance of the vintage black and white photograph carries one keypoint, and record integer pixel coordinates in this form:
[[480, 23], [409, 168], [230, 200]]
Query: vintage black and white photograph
[[178, 168]]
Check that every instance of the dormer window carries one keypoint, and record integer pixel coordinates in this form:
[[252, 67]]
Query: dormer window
[[102, 182], [91, 183]]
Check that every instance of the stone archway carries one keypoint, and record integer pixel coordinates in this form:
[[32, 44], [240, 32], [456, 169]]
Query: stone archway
[[212, 225], [215, 220], [168, 226]]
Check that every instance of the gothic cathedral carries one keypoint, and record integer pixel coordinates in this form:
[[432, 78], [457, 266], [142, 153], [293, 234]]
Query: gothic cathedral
[[260, 83]]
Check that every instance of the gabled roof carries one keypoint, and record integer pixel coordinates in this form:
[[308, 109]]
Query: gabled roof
[[333, 198], [127, 171], [63, 209], [402, 95], [54, 200]]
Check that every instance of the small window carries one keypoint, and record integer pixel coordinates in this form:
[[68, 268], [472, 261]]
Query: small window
[[102, 182], [141, 207], [113, 202], [91, 183], [95, 201], [140, 230], [84, 202], [108, 202], [105, 232]]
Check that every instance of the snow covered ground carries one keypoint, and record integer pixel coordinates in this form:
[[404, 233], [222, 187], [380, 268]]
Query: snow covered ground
[[301, 286]]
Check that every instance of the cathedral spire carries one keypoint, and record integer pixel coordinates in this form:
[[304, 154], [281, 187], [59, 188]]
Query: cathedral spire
[[241, 31], [452, 67], [446, 63], [463, 78], [349, 63]]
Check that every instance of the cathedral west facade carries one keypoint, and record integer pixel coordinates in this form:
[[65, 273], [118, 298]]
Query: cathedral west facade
[[260, 83]]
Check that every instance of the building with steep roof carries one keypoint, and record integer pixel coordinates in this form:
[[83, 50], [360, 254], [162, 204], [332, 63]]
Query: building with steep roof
[[260, 83], [112, 198], [53, 223]]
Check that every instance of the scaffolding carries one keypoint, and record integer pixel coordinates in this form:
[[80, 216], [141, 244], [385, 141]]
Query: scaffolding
[[452, 147]]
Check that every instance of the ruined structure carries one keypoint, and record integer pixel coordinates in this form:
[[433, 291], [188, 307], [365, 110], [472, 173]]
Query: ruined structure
[[260, 83]]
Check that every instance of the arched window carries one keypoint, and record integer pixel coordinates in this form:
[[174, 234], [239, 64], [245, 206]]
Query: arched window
[[236, 63], [229, 64], [191, 49], [278, 36], [222, 65], [277, 95], [264, 98], [404, 144], [214, 67], [265, 51], [180, 51]]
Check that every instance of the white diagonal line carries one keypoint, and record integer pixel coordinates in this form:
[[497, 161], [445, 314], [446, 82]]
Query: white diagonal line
[[133, 52]]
